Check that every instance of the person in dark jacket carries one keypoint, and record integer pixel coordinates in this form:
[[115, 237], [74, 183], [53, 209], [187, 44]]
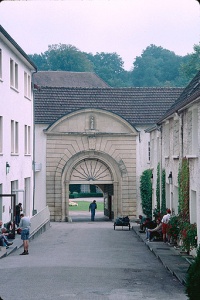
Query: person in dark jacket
[[18, 210], [92, 208]]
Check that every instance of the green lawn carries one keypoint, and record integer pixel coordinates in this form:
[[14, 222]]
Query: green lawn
[[84, 206]]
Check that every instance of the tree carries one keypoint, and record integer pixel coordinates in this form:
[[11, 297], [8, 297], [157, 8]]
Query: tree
[[109, 66], [40, 61], [156, 67], [63, 58], [146, 192], [191, 65]]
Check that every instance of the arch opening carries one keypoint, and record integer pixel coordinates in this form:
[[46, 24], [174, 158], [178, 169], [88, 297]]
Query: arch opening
[[90, 179]]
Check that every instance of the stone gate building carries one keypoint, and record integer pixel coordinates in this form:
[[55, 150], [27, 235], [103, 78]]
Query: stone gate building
[[95, 136]]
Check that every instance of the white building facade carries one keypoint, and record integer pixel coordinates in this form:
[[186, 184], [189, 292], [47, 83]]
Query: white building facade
[[177, 137], [16, 128]]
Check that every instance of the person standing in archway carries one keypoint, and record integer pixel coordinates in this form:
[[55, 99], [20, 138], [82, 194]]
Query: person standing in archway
[[92, 208]]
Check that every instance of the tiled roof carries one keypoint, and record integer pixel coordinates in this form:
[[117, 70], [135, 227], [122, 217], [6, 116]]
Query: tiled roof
[[136, 105], [189, 94], [6, 36], [68, 79]]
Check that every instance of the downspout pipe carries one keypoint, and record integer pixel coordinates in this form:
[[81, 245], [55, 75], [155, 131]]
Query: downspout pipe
[[160, 168], [33, 162]]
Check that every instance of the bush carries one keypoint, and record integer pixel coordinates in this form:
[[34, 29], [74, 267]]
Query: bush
[[85, 195], [173, 228], [146, 192], [189, 236], [193, 279]]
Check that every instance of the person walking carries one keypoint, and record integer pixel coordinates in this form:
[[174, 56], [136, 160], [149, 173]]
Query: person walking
[[25, 225], [92, 208], [18, 210]]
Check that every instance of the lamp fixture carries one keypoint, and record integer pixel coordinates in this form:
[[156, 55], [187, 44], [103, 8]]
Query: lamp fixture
[[152, 178], [7, 168], [170, 177]]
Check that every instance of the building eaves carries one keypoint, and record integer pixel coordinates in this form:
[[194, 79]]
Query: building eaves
[[16, 46]]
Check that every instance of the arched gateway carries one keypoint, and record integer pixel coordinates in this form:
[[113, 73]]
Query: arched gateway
[[91, 146]]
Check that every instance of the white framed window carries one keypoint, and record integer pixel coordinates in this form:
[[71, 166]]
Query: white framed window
[[1, 134], [13, 74], [27, 85], [149, 151], [194, 131], [176, 137], [0, 63], [14, 137], [27, 140], [152, 151], [193, 207], [167, 140]]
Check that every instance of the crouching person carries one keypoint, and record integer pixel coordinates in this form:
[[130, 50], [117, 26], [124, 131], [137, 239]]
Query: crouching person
[[24, 225], [3, 238]]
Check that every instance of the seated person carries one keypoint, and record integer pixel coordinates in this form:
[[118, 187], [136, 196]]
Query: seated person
[[149, 224], [3, 238], [142, 221], [8, 226], [155, 232]]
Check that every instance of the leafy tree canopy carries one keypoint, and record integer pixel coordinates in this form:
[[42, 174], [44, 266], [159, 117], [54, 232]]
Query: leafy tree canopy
[[191, 64], [63, 58], [156, 67]]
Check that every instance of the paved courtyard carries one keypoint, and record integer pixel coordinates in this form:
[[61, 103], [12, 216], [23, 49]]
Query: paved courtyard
[[87, 260]]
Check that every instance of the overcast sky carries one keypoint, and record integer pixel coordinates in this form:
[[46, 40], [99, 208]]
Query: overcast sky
[[126, 27]]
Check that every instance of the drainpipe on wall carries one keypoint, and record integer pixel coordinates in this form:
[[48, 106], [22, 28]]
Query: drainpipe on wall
[[160, 167], [33, 162], [181, 121]]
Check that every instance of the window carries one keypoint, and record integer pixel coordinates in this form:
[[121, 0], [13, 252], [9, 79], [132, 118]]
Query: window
[[27, 139], [176, 137], [27, 85], [1, 134], [166, 140], [14, 137], [149, 151], [152, 151], [13, 74], [0, 63], [193, 207], [192, 132]]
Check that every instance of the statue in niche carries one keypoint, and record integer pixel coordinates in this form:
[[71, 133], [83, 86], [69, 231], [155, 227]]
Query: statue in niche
[[92, 123]]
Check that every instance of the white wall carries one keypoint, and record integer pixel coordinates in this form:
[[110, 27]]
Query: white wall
[[14, 106], [142, 160], [40, 159]]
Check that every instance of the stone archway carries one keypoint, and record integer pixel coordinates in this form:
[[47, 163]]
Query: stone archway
[[94, 146], [92, 168]]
